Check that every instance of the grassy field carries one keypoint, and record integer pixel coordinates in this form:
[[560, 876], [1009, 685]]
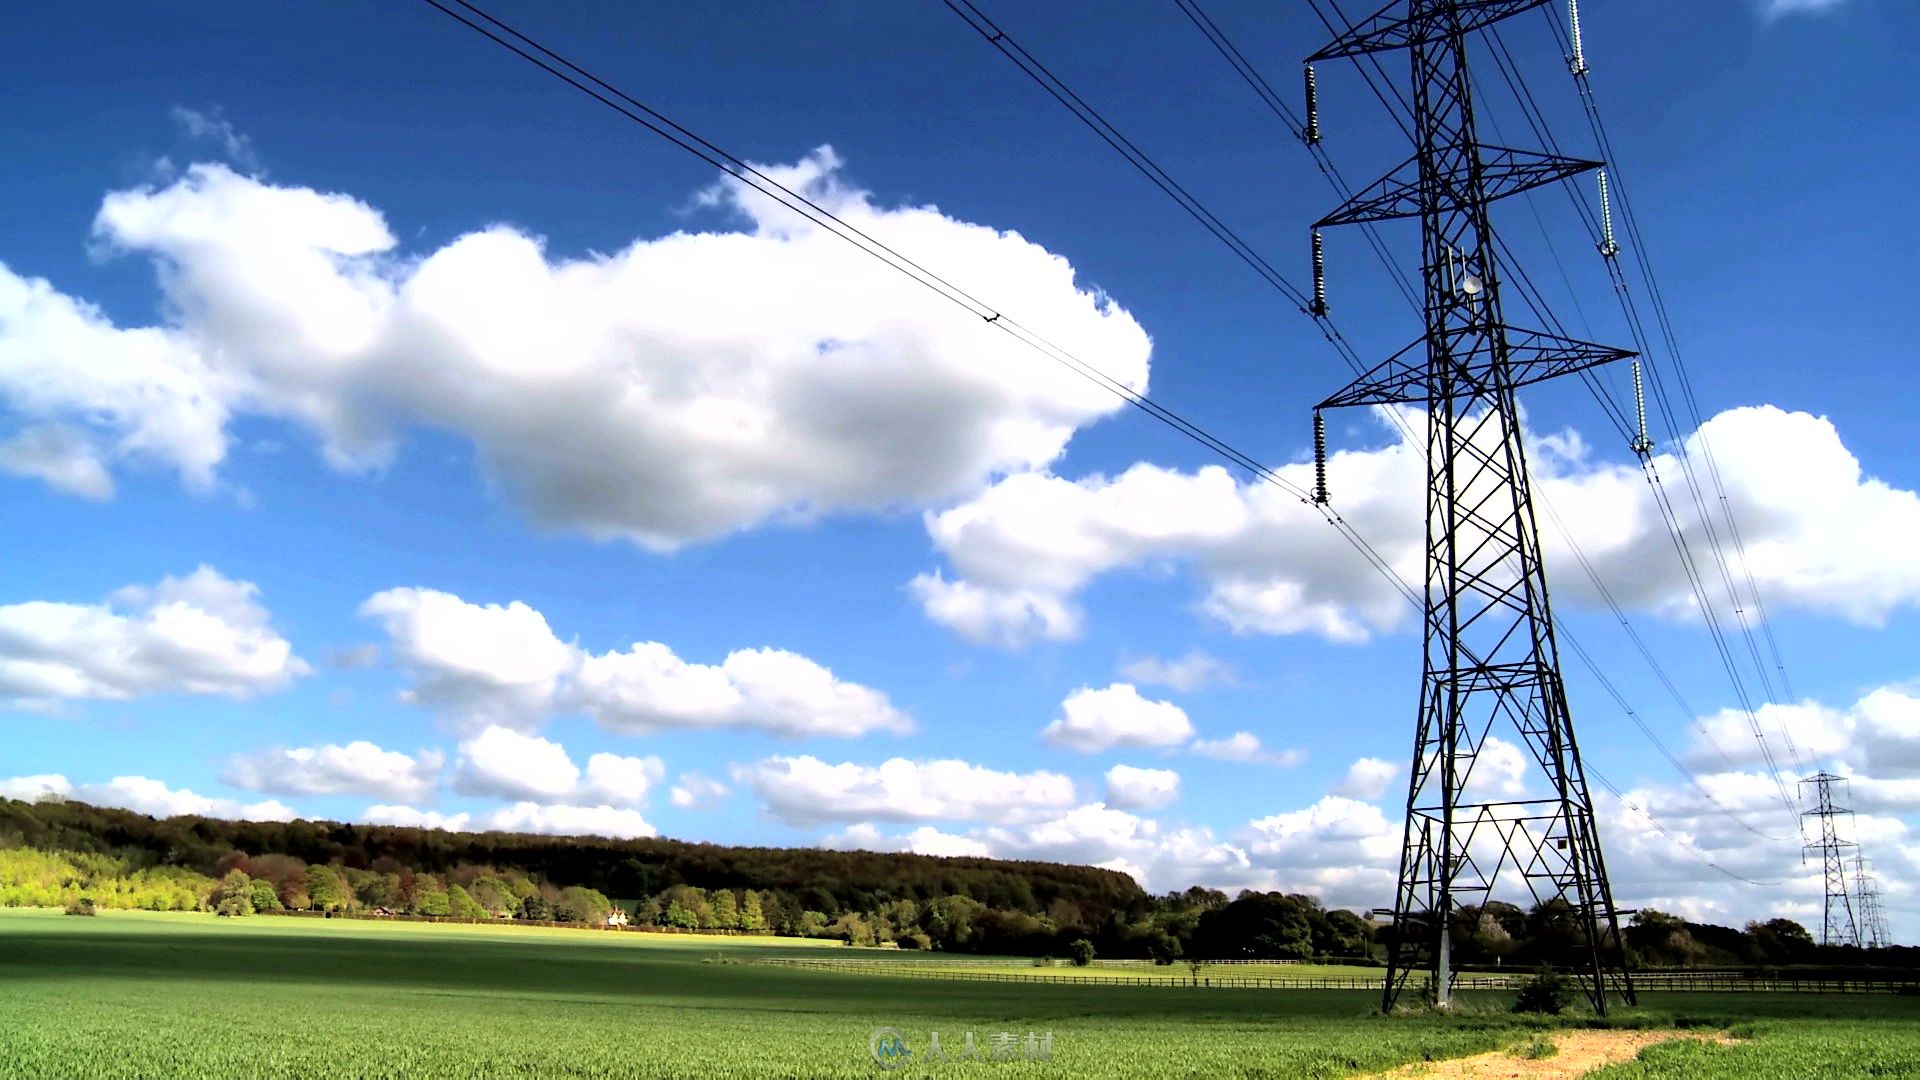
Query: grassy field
[[149, 995]]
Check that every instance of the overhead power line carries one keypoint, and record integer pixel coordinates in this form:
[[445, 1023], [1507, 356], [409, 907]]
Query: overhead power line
[[1392, 100], [554, 64], [1307, 131], [527, 48]]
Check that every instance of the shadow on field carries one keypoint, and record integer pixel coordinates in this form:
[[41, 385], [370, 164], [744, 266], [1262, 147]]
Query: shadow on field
[[639, 973]]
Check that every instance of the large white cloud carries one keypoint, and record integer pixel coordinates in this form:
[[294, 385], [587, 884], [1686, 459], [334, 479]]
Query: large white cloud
[[673, 391], [494, 665], [502, 763], [198, 634], [479, 662], [1130, 788], [1879, 733], [805, 790], [1820, 535], [142, 794], [647, 688], [357, 768], [620, 823], [1116, 715]]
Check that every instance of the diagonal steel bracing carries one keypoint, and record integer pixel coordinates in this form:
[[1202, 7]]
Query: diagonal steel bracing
[[1492, 666]]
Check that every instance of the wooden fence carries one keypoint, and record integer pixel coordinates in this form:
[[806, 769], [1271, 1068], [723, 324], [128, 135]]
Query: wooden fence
[[1650, 981]]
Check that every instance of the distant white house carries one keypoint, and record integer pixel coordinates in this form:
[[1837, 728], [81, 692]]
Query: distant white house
[[617, 918]]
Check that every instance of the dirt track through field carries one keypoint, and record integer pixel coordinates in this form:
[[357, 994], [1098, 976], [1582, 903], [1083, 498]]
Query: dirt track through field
[[1581, 1052]]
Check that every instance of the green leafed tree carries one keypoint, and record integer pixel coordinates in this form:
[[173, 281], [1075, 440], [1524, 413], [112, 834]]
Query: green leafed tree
[[234, 895], [753, 917], [685, 907], [263, 897], [327, 889], [578, 904], [726, 911], [461, 904], [429, 897]]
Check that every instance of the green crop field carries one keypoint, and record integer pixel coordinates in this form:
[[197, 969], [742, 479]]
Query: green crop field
[[131, 994]]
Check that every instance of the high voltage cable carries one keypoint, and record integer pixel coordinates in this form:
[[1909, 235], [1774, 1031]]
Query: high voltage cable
[[1536, 301], [638, 112], [1091, 117], [1036, 70], [580, 79], [1531, 107], [1536, 118], [1273, 101], [631, 108], [1670, 518], [1140, 160]]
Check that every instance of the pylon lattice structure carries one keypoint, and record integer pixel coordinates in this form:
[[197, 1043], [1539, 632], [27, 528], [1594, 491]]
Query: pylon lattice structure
[[1873, 921], [1492, 665], [1839, 927]]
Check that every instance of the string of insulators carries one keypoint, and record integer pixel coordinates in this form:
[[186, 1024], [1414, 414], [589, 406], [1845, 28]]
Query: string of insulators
[[1319, 458], [1312, 133], [1607, 246], [1641, 445], [1319, 307], [1578, 62]]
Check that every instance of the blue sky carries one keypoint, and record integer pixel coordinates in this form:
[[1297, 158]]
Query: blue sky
[[517, 449]]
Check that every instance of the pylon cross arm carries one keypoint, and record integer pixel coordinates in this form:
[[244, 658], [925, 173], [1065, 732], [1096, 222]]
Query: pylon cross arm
[[1386, 30], [1504, 171], [1407, 377]]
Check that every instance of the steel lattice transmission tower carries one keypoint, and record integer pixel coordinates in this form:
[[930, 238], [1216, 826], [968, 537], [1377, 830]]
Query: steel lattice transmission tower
[[1492, 665], [1839, 927], [1873, 921]]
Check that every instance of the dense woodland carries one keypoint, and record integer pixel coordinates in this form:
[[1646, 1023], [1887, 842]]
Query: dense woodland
[[57, 853]]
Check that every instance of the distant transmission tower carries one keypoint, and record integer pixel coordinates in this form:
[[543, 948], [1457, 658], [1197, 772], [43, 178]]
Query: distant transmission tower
[[1491, 658], [1840, 927], [1873, 921]]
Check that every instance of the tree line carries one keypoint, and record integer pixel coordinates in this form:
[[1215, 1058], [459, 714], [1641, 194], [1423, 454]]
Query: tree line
[[57, 853]]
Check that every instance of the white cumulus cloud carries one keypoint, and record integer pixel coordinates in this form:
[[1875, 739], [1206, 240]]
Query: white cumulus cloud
[[1091, 720], [806, 790], [1820, 534], [357, 768], [483, 663], [1129, 788], [648, 688], [619, 823], [502, 665], [198, 634], [676, 390], [145, 795], [502, 763]]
